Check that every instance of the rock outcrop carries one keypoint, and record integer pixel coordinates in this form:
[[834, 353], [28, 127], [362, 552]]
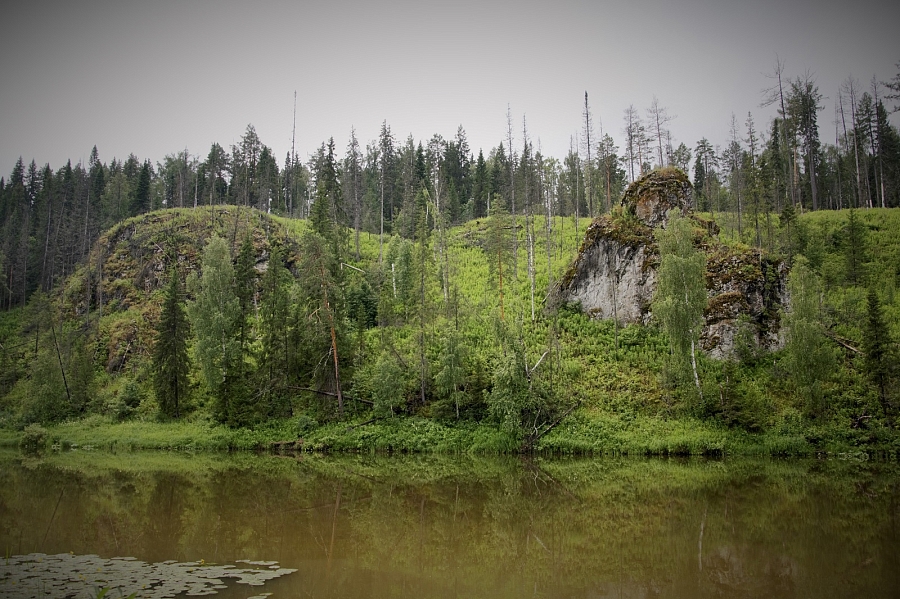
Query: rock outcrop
[[614, 275], [650, 198]]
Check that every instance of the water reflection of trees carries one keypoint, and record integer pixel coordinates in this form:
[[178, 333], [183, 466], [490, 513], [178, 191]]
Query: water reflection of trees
[[481, 527]]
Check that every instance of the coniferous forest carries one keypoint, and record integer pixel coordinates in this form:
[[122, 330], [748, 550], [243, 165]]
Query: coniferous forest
[[399, 294]]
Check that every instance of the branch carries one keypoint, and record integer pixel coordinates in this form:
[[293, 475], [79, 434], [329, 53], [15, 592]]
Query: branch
[[330, 394], [399, 357], [343, 264], [842, 342], [370, 421], [539, 361], [529, 444]]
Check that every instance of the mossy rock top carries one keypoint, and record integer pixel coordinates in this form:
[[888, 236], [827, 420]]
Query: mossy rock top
[[650, 197]]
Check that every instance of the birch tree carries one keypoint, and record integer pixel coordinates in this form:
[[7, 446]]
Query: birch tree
[[680, 298], [215, 315]]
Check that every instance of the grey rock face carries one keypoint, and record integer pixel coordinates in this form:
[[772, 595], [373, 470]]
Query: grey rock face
[[614, 282]]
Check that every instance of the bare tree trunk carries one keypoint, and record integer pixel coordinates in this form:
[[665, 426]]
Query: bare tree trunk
[[876, 147], [546, 196], [512, 192], [855, 125], [855, 153], [529, 225], [793, 162], [381, 232], [59, 359], [589, 180], [196, 184]]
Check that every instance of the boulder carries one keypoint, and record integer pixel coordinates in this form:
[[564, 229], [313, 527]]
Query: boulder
[[614, 274], [653, 195]]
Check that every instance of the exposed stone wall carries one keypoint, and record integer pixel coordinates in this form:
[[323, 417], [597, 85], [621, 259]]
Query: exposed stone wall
[[616, 282]]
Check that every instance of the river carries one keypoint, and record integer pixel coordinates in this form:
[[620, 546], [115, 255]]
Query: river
[[462, 526]]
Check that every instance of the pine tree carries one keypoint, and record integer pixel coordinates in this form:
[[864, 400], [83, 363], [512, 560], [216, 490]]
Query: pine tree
[[480, 187], [171, 362], [450, 378], [803, 107], [353, 186]]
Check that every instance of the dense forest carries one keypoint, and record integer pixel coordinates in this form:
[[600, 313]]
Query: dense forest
[[412, 277]]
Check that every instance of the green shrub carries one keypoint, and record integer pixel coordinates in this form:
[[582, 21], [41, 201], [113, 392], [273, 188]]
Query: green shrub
[[34, 438]]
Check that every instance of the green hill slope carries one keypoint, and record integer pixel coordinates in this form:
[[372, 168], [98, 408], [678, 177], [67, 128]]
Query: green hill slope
[[446, 342]]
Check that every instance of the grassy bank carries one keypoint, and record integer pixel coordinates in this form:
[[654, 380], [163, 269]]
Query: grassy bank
[[582, 434]]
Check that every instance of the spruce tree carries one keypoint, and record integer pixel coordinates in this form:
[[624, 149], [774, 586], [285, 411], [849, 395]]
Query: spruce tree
[[275, 346], [171, 362], [855, 249], [141, 200], [245, 288], [321, 317], [879, 363]]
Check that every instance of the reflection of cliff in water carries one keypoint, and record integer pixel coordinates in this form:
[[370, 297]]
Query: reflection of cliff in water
[[439, 526], [741, 571]]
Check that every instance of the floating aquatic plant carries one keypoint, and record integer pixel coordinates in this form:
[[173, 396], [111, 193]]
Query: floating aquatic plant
[[38, 575]]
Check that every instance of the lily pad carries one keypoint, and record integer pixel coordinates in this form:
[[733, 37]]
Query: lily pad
[[38, 575]]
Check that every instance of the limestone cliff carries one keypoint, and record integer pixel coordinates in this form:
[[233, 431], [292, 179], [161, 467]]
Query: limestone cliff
[[614, 275]]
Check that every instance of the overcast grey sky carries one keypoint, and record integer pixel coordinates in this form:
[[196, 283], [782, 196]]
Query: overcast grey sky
[[154, 78]]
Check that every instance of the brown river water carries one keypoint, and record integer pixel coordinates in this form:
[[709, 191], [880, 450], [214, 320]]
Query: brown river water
[[436, 526]]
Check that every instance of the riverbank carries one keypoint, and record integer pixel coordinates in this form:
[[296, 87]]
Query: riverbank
[[581, 434]]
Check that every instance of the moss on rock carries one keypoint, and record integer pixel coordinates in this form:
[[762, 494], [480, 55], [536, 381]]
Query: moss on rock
[[650, 197]]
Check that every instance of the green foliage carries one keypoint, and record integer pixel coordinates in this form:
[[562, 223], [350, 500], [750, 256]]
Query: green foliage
[[498, 248], [320, 339], [171, 364], [215, 315], [391, 384], [273, 357], [440, 373], [880, 356], [681, 293], [127, 401], [855, 249], [34, 438], [245, 289], [46, 398], [809, 356], [80, 373], [450, 377], [521, 398]]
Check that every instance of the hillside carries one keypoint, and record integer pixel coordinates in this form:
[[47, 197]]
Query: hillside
[[444, 344]]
